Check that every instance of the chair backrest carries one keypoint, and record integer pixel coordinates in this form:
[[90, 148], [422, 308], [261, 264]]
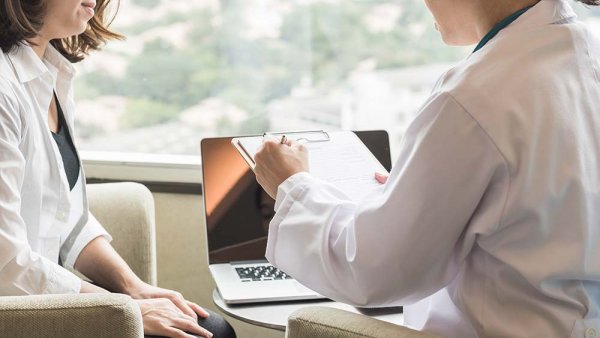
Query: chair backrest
[[126, 210]]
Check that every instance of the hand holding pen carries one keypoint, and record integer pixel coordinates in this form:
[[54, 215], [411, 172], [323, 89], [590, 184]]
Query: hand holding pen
[[275, 164]]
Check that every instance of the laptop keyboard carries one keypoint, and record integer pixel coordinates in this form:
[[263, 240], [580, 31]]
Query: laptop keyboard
[[260, 273]]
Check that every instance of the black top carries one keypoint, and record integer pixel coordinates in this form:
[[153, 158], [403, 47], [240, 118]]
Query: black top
[[67, 148]]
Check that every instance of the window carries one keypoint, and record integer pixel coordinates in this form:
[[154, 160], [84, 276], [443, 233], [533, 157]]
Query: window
[[193, 69]]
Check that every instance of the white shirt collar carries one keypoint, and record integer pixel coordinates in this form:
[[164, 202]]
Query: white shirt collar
[[28, 66], [546, 12]]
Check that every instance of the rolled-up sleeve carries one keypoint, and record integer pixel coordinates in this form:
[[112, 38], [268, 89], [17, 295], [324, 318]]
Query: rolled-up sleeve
[[90, 231], [22, 271], [29, 273]]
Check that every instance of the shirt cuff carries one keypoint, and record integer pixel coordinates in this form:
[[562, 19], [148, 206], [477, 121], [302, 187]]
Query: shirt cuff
[[62, 281], [90, 231], [288, 185], [287, 194]]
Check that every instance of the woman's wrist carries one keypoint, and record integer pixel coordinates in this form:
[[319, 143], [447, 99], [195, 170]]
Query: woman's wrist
[[100, 262], [130, 285]]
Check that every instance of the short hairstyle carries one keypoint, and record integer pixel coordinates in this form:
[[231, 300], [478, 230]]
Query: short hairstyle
[[21, 20]]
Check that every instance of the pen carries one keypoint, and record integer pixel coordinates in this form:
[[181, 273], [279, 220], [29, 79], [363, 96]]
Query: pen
[[283, 139]]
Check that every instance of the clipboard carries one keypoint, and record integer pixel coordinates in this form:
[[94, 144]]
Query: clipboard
[[339, 158], [248, 146]]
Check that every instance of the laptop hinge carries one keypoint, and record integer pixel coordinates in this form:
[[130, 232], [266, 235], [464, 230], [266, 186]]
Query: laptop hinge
[[258, 261]]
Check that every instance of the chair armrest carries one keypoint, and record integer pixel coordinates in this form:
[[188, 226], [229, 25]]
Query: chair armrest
[[81, 316], [126, 210], [326, 322]]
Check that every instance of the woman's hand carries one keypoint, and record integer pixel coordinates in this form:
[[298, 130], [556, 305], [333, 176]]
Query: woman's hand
[[162, 318], [164, 312], [381, 178], [276, 162], [146, 291]]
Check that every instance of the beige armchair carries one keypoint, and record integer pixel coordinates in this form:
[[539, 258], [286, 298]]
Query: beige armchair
[[127, 212], [324, 322]]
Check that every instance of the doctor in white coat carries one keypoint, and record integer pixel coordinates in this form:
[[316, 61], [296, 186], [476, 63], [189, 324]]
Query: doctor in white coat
[[489, 223]]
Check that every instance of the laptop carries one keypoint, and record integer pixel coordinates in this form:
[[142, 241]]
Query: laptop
[[237, 214]]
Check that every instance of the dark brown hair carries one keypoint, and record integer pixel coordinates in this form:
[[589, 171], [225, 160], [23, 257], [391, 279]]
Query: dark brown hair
[[21, 20], [590, 2]]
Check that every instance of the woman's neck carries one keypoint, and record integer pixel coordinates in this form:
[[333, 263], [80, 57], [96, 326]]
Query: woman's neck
[[39, 45]]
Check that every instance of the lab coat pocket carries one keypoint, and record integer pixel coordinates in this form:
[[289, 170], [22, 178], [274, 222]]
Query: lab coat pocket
[[586, 328]]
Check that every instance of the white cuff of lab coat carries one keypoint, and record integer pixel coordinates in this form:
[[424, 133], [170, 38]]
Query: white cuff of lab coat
[[62, 281], [287, 193], [91, 231], [288, 185]]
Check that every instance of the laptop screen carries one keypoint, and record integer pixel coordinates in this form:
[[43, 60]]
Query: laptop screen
[[238, 211]]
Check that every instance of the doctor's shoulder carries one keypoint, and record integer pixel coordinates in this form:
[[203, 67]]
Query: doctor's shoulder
[[506, 70]]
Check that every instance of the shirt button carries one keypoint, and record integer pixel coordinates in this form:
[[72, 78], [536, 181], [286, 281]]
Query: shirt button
[[591, 333]]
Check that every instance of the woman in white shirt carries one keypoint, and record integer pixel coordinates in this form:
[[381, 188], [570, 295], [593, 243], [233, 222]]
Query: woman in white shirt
[[44, 219], [489, 223]]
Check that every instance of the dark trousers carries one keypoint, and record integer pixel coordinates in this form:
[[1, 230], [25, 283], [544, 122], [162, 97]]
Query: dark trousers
[[216, 324]]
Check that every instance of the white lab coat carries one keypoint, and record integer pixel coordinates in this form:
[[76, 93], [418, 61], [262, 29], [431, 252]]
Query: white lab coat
[[40, 217], [489, 224]]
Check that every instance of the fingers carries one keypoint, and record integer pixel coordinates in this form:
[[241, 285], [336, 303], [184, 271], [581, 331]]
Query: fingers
[[191, 327], [381, 178], [299, 146], [182, 305], [267, 147], [173, 333], [176, 333], [162, 317], [198, 309], [276, 162], [271, 145], [176, 299], [269, 142], [275, 142]]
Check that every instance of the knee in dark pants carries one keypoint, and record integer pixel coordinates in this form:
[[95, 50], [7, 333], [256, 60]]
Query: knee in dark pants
[[216, 324]]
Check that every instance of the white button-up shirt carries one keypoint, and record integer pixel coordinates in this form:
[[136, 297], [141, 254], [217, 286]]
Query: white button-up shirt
[[489, 224], [41, 219]]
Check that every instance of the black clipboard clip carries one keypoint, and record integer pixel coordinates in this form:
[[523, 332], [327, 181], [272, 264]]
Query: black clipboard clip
[[307, 136]]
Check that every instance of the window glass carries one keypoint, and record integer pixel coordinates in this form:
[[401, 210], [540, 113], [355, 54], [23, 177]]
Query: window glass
[[196, 68]]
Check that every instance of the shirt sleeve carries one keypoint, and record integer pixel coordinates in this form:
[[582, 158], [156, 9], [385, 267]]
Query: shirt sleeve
[[22, 271], [90, 231], [408, 240]]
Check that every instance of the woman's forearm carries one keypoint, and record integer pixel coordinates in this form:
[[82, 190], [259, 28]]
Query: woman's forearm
[[102, 264], [91, 288]]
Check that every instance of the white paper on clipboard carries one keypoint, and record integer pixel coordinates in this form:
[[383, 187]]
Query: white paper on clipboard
[[339, 158]]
